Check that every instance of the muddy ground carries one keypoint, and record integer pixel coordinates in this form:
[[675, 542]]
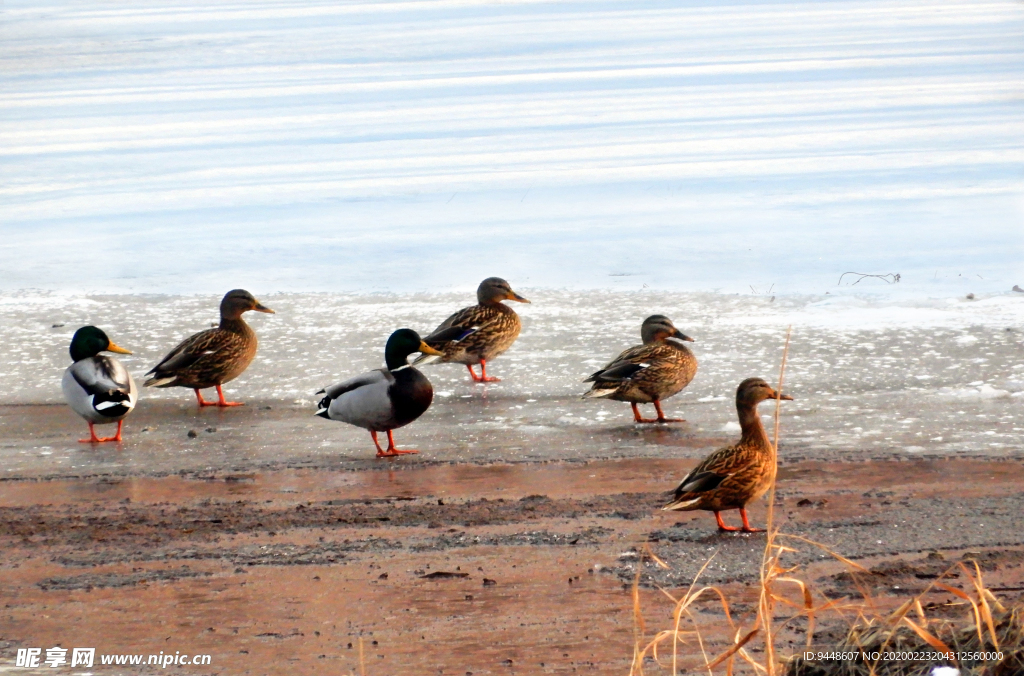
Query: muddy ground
[[450, 568]]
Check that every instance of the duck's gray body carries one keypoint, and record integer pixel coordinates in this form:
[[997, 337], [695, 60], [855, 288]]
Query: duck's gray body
[[99, 389], [379, 400]]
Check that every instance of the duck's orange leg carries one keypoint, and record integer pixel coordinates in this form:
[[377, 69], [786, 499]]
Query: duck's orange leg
[[391, 450], [746, 524], [483, 377], [661, 414], [93, 439], [721, 524], [203, 402], [222, 402], [639, 418]]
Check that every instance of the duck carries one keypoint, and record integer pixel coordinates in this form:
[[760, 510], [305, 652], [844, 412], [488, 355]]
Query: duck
[[96, 386], [385, 399], [213, 357], [477, 334], [733, 476], [646, 374]]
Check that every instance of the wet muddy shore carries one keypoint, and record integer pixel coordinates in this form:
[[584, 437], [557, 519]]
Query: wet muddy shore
[[282, 565]]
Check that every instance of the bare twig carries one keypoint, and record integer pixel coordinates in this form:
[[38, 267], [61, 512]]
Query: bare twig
[[889, 278]]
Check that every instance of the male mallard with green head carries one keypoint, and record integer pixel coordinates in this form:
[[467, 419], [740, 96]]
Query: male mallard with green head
[[648, 373], [735, 475], [385, 399], [98, 387], [215, 356], [477, 334]]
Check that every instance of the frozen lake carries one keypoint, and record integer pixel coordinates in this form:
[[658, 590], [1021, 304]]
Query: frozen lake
[[312, 145], [871, 378]]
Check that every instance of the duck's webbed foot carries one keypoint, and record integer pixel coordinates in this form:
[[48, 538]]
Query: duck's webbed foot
[[721, 524], [661, 415], [483, 377], [747, 528], [390, 451], [223, 402], [637, 418], [93, 439]]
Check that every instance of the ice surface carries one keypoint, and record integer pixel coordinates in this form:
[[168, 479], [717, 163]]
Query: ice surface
[[316, 145], [869, 379]]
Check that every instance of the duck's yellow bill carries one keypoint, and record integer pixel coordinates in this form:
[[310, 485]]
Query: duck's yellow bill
[[426, 349], [117, 348], [260, 307]]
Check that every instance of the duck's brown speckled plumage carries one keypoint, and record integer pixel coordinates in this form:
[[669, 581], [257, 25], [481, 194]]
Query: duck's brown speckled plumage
[[499, 327], [733, 476], [646, 374], [477, 334], [215, 356]]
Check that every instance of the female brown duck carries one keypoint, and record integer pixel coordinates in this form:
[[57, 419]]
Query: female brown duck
[[733, 476], [648, 373], [215, 356], [477, 334]]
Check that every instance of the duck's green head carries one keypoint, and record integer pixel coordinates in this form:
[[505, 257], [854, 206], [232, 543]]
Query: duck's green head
[[239, 301], [89, 341], [660, 327], [401, 344], [495, 290]]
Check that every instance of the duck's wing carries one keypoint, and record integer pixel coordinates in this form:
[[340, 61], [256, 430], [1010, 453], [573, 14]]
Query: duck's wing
[[626, 365], [215, 344], [456, 329], [101, 375], [700, 482], [709, 474], [361, 401], [362, 380], [100, 383]]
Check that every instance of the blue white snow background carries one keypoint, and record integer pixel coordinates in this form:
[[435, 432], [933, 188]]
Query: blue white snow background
[[362, 166]]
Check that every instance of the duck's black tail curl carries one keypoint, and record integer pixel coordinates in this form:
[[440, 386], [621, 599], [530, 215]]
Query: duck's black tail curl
[[323, 406]]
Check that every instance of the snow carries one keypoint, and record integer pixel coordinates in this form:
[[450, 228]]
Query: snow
[[168, 146]]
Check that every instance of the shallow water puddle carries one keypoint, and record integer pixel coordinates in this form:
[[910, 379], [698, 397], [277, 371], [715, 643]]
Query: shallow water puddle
[[554, 480]]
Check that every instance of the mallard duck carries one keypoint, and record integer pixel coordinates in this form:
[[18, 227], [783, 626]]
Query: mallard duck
[[732, 476], [477, 334], [97, 387], [648, 373], [385, 399], [213, 357]]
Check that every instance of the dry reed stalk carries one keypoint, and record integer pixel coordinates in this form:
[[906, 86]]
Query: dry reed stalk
[[680, 606], [769, 560]]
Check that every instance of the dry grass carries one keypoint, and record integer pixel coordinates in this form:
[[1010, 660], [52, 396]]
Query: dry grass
[[986, 627]]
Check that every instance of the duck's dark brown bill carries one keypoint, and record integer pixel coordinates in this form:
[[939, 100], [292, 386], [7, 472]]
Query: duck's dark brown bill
[[682, 336], [515, 296], [260, 307]]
